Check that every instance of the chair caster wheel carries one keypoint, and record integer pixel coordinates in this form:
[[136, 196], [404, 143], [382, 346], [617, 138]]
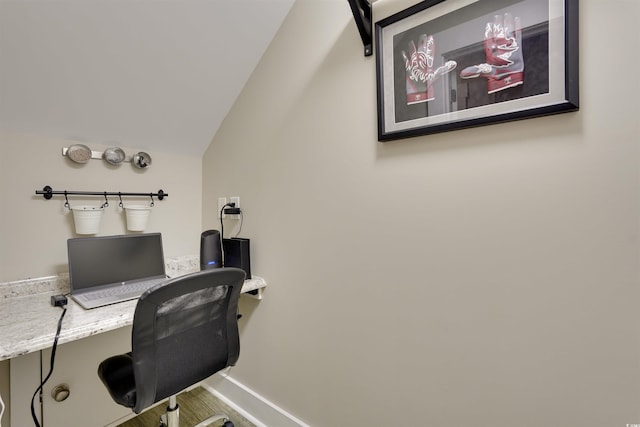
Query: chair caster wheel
[[228, 424]]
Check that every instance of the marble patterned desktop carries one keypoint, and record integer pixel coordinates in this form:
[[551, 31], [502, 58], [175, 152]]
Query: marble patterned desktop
[[28, 322]]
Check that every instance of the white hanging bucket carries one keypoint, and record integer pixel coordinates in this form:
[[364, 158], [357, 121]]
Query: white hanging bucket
[[87, 219], [137, 217]]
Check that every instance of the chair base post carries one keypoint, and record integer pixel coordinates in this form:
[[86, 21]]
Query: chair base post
[[172, 417]]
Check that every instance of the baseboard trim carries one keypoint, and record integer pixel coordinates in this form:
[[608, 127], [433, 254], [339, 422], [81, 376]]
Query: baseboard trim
[[250, 404]]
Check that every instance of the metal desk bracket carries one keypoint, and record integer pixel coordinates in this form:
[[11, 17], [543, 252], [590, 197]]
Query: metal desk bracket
[[361, 10]]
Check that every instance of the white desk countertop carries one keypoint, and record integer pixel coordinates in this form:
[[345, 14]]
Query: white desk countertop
[[28, 322]]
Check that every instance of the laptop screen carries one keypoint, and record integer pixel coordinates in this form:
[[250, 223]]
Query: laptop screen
[[97, 261]]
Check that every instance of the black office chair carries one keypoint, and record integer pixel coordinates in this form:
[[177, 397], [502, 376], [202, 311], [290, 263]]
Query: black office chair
[[183, 332]]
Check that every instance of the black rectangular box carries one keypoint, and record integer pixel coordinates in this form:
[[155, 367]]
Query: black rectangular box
[[236, 254]]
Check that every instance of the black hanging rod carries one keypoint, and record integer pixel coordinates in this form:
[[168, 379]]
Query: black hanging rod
[[48, 193]]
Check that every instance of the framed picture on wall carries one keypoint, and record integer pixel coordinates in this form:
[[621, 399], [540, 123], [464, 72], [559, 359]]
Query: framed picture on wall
[[443, 65]]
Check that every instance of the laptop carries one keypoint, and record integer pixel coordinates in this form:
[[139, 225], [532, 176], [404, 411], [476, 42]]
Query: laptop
[[110, 269]]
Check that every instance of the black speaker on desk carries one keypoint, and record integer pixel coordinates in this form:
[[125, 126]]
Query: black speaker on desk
[[236, 254], [210, 250]]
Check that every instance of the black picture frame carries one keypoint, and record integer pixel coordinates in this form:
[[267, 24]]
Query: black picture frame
[[443, 65]]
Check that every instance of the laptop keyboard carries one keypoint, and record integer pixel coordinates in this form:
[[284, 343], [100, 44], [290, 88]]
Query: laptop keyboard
[[129, 289]]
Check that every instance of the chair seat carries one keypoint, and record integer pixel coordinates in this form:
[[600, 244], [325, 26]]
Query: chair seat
[[116, 373]]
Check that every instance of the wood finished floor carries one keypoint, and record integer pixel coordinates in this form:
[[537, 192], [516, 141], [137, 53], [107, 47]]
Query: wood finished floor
[[195, 406]]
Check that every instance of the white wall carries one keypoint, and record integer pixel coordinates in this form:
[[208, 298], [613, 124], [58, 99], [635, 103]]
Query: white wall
[[484, 277], [34, 230]]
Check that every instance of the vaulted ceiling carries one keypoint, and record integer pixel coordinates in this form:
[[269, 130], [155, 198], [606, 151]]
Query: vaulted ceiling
[[152, 74]]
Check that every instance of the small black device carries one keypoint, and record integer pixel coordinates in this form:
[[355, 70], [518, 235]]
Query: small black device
[[58, 300], [236, 254], [210, 250]]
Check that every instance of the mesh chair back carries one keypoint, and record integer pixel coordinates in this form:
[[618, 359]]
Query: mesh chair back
[[185, 331]]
